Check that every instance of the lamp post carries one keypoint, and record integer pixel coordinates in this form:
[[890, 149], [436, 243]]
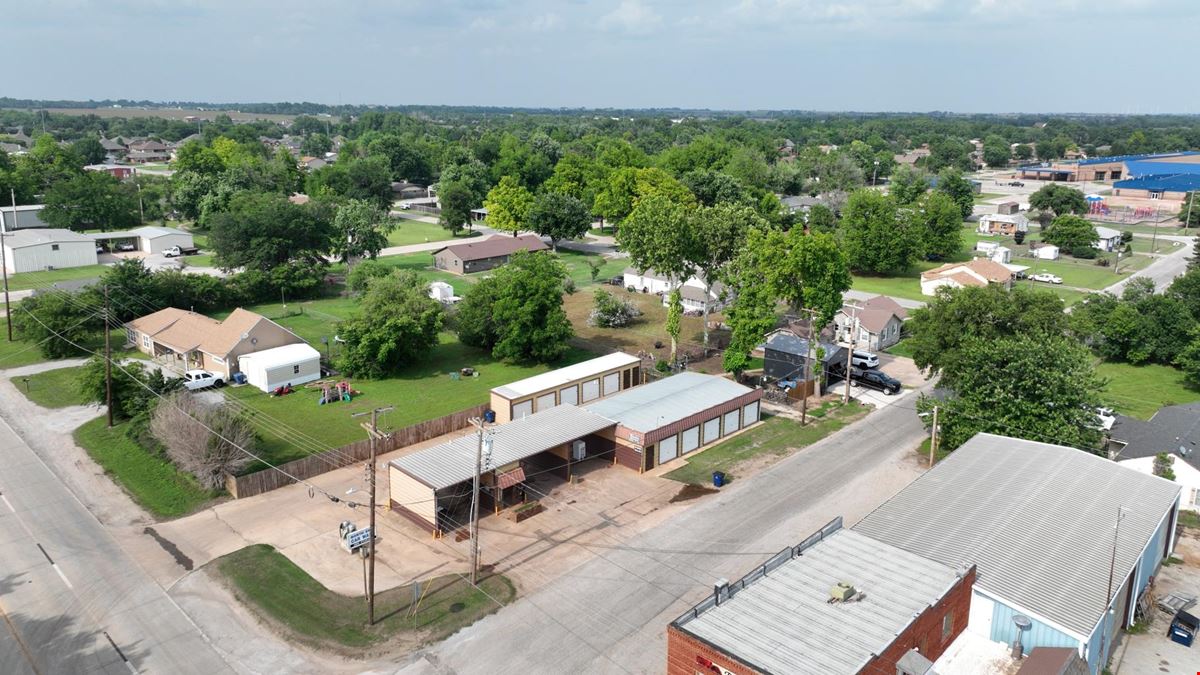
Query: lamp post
[[874, 173]]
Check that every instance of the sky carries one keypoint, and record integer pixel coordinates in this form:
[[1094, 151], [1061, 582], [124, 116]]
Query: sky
[[1117, 56]]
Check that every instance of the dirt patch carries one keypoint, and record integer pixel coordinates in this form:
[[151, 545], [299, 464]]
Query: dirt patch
[[689, 492]]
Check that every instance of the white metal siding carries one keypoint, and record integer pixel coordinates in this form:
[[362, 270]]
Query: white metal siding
[[591, 390], [166, 241], [40, 256], [412, 494], [731, 422], [750, 414], [712, 430], [545, 402], [522, 409], [612, 383], [569, 395], [668, 449], [294, 374], [691, 439]]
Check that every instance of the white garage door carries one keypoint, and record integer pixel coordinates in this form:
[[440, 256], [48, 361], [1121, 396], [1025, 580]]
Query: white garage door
[[712, 430], [668, 449], [612, 384], [522, 409], [545, 402], [691, 439], [569, 395], [591, 390], [731, 422], [750, 414]]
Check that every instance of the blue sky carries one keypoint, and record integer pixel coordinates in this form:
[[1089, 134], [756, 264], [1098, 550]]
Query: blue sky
[[1123, 56]]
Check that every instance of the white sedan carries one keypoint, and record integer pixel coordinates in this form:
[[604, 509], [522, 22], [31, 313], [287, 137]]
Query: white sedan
[[200, 379], [1046, 277]]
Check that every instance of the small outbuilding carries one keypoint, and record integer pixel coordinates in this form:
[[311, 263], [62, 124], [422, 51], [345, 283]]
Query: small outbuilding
[[149, 239], [289, 365], [576, 384], [484, 255], [37, 250]]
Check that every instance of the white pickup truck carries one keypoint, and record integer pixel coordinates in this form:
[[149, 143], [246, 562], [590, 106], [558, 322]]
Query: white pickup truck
[[201, 379], [176, 251]]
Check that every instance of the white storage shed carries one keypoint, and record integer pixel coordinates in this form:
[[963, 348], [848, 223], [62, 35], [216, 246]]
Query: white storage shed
[[35, 250], [149, 239], [287, 365]]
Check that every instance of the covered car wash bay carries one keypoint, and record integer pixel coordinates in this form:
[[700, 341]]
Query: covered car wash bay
[[432, 487]]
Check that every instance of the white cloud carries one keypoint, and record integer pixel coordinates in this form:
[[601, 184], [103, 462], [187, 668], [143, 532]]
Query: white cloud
[[545, 22], [631, 16]]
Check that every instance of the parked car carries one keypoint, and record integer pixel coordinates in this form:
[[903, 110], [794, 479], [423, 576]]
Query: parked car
[[875, 379], [1046, 277], [864, 359], [176, 251], [126, 246], [405, 206], [1016, 183], [201, 379], [99, 248]]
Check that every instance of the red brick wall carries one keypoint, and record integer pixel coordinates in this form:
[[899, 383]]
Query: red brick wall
[[682, 650], [925, 634]]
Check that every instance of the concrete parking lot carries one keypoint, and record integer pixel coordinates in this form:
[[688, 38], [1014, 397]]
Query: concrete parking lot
[[1152, 651]]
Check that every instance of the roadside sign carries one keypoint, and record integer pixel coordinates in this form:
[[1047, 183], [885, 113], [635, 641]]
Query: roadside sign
[[357, 539]]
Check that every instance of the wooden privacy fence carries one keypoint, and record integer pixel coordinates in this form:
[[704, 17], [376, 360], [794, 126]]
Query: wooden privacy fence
[[316, 464]]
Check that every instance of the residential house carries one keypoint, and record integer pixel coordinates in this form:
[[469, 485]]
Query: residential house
[[879, 321], [37, 250], [312, 163], [837, 603], [406, 190], [490, 253], [185, 340], [1110, 239], [1006, 224], [788, 357], [12, 148], [977, 272], [113, 150], [1173, 430], [148, 151], [1063, 537], [913, 156], [693, 293]]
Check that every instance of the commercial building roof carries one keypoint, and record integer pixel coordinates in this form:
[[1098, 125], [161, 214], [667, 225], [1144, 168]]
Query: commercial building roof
[[563, 376], [147, 232], [39, 236], [783, 622], [657, 404], [494, 246], [454, 461], [1174, 429], [281, 356], [1134, 158], [1038, 520], [1153, 168], [1176, 182]]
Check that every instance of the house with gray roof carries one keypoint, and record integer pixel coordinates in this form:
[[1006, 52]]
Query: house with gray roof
[[1175, 431], [785, 354], [1044, 524]]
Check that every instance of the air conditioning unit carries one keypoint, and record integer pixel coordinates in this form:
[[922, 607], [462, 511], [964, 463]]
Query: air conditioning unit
[[842, 592], [578, 451]]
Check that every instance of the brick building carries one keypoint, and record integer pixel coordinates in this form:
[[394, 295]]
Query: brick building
[[838, 602]]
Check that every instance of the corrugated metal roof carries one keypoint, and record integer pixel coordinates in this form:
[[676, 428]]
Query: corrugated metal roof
[[1152, 168], [454, 462], [37, 236], [1134, 158], [1036, 518], [563, 376], [781, 623], [1176, 182], [668, 400]]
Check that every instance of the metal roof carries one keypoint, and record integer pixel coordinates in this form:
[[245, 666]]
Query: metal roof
[[1152, 168], [783, 623], [564, 376], [38, 236], [148, 232], [280, 356], [454, 462], [1175, 182], [1038, 520], [657, 404], [1107, 232], [1134, 158], [785, 341]]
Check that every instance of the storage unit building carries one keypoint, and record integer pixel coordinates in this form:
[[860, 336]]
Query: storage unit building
[[675, 416], [1044, 524], [36, 250], [282, 366], [576, 384], [149, 239]]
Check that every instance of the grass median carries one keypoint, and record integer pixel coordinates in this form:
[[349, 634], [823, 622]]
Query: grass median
[[282, 593], [774, 439]]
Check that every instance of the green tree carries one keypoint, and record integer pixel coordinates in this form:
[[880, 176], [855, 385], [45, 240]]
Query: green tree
[[1163, 463], [938, 222], [1186, 288], [196, 158], [712, 239], [952, 184], [1023, 151], [1071, 232], [908, 184], [559, 216], [135, 388], [576, 175], [674, 319], [1189, 360], [262, 231], [1189, 211], [456, 201], [996, 151], [89, 149], [1034, 386], [473, 314], [939, 330], [91, 200], [360, 230], [820, 218], [398, 323], [1059, 200], [609, 311], [658, 235], [53, 321], [875, 238], [531, 325], [316, 145], [508, 206]]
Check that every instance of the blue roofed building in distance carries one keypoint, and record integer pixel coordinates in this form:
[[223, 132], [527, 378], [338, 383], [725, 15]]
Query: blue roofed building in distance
[[1165, 175]]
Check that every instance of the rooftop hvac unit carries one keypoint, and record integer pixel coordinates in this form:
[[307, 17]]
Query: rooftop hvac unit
[[578, 451], [842, 592]]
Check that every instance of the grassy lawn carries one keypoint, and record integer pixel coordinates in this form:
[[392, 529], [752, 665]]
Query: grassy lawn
[[152, 481], [776, 436], [907, 286], [984, 196], [419, 232], [52, 388], [1163, 246], [1139, 391], [422, 264], [579, 270], [1083, 274], [18, 352], [901, 348], [202, 260], [643, 332], [423, 391], [26, 280], [282, 593], [1070, 296]]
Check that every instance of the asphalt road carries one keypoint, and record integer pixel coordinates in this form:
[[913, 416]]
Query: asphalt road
[[71, 601], [610, 614], [1163, 270]]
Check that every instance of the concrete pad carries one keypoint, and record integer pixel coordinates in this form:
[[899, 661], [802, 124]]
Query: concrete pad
[[1153, 651]]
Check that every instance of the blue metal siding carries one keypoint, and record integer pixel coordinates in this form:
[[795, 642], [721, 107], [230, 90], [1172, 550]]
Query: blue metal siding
[[1093, 646], [1151, 559], [1039, 635]]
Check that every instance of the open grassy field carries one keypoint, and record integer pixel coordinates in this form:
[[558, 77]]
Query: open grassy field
[[18, 352], [409, 231], [1162, 246], [27, 280], [901, 348], [776, 436], [152, 481], [278, 591], [985, 196], [581, 272], [643, 332], [1070, 296], [298, 426], [1139, 391], [422, 264], [53, 388]]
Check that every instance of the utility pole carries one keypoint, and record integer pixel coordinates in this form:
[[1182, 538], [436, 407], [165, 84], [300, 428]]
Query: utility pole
[[141, 207], [107, 362], [934, 437], [850, 341], [808, 350], [373, 435], [4, 261], [474, 529], [1191, 197], [1112, 563]]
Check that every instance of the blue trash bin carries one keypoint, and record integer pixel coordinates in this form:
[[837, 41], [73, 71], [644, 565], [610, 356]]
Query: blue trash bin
[[718, 478], [489, 416]]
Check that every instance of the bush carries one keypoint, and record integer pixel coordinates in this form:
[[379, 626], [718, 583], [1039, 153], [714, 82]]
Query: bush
[[568, 286], [1103, 262], [662, 366], [1084, 252], [182, 424], [611, 311], [364, 271]]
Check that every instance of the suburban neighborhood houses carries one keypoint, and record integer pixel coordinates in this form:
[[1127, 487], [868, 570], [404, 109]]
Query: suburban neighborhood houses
[[593, 368]]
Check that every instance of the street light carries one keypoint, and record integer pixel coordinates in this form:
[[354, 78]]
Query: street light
[[875, 173]]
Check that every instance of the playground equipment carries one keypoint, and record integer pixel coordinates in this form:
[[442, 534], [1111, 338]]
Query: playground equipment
[[338, 392]]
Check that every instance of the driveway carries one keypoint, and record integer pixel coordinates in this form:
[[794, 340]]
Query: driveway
[[1153, 651], [1164, 269]]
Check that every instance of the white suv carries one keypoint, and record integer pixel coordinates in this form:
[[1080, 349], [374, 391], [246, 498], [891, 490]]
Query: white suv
[[863, 359], [200, 379]]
